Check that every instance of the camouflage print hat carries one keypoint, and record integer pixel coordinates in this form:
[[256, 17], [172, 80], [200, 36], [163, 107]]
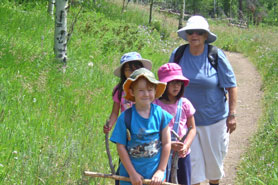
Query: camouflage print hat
[[143, 72]]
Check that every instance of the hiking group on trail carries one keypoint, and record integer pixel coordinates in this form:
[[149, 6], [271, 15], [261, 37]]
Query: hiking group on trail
[[186, 115]]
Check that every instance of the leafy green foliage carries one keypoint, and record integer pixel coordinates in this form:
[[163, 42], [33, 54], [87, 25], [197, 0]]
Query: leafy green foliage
[[51, 117]]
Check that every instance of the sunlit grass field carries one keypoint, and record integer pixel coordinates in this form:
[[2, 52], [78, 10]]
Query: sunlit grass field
[[51, 117]]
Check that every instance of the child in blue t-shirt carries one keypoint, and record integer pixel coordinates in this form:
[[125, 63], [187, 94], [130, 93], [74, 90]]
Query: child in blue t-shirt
[[145, 151]]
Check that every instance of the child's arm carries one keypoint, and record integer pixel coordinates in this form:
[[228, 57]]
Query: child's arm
[[135, 177], [113, 118], [166, 148], [190, 137]]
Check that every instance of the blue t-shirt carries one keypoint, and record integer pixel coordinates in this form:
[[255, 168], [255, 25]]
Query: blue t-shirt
[[205, 88], [144, 148]]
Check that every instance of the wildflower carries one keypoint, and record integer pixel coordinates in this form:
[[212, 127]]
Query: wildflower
[[90, 64], [34, 100], [1, 165], [14, 152]]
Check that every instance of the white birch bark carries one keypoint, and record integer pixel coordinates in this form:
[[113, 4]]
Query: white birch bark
[[60, 35], [51, 4], [151, 12], [181, 18]]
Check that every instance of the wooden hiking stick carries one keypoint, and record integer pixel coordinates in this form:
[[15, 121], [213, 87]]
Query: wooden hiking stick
[[108, 151], [121, 178], [175, 160]]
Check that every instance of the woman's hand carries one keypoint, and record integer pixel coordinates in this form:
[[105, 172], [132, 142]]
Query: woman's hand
[[157, 177], [231, 123]]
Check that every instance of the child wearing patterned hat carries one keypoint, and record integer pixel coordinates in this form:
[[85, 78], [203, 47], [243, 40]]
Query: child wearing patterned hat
[[144, 154]]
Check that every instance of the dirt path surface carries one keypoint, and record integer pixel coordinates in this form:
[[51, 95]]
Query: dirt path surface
[[248, 112]]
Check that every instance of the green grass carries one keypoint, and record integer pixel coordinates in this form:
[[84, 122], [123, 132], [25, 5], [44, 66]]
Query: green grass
[[51, 119]]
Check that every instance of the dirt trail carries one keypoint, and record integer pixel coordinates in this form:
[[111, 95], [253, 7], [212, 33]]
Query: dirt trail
[[248, 112]]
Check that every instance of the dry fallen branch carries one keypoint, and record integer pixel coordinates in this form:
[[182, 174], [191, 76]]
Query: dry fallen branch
[[174, 167], [112, 168], [121, 178]]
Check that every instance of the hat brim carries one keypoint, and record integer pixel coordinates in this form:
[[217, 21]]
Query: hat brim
[[176, 77], [146, 63], [182, 33], [160, 87]]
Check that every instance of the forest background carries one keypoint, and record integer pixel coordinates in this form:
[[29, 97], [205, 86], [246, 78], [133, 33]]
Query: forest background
[[52, 114]]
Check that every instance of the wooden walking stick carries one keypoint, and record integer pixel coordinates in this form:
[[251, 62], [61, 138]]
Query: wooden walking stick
[[112, 168], [175, 160], [121, 178]]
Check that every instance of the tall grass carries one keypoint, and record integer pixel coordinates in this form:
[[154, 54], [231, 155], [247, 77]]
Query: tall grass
[[51, 118]]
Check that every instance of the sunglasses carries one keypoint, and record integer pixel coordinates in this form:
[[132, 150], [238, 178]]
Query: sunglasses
[[198, 32]]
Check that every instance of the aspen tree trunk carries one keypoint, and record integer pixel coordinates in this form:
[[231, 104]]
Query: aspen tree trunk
[[60, 35], [181, 18], [51, 4], [151, 12], [240, 10], [214, 8], [123, 8]]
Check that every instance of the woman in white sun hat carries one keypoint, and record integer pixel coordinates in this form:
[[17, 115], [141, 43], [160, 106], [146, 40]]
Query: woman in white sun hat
[[210, 81]]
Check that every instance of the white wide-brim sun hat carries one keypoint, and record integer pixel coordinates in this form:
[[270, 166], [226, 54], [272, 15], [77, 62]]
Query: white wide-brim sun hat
[[197, 22]]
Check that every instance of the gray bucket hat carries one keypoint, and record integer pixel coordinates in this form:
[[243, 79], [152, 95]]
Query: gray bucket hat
[[197, 22]]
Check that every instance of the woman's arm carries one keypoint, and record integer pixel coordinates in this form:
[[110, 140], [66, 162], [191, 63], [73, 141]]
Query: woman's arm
[[231, 120], [166, 148], [135, 177], [113, 118]]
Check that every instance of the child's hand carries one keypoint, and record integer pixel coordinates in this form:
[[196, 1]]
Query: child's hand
[[106, 129], [157, 177], [184, 150], [176, 146], [136, 179]]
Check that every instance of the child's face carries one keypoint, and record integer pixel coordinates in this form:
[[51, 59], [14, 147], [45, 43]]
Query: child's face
[[127, 70], [143, 91], [131, 66], [174, 87]]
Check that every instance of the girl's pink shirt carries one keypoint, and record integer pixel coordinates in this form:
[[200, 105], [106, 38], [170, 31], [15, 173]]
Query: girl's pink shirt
[[187, 111], [125, 104]]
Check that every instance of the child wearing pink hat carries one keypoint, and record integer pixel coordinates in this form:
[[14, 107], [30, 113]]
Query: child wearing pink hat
[[182, 110]]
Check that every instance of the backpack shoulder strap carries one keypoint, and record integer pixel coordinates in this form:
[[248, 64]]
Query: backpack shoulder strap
[[213, 56], [179, 53], [213, 59], [162, 120], [128, 114], [177, 119]]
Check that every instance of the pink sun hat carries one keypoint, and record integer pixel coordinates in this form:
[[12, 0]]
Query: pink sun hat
[[171, 71]]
